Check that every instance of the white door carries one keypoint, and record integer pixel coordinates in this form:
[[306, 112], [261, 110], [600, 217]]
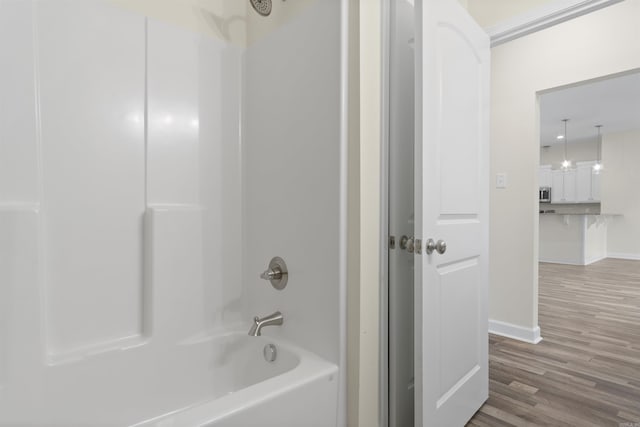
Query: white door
[[452, 193]]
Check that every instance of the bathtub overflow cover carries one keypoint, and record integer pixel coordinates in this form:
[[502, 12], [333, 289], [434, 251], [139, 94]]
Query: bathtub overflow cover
[[270, 353]]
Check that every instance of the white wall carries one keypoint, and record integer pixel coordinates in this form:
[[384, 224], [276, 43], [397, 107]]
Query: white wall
[[576, 152], [222, 19], [491, 12], [233, 21], [520, 69], [620, 195]]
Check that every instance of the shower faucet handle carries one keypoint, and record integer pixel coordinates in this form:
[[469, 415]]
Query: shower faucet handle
[[276, 273], [272, 274]]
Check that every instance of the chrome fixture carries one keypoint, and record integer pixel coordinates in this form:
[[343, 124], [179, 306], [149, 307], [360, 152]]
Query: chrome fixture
[[270, 353], [277, 273], [407, 243], [263, 7], [598, 166], [431, 245], [566, 164], [274, 319]]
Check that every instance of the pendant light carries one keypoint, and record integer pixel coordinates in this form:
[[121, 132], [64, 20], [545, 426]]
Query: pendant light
[[598, 166], [566, 164]]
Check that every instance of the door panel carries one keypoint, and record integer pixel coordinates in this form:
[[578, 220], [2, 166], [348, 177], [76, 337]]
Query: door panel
[[452, 191], [458, 73], [458, 296]]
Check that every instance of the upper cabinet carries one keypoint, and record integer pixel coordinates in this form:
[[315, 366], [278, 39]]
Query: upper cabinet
[[563, 186], [587, 183], [544, 176], [579, 185]]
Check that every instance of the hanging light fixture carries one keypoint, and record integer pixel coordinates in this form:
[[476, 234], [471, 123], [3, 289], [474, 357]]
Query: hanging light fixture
[[566, 164], [598, 166]]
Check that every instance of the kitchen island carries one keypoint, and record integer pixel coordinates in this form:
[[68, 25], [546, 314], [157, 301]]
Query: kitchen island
[[573, 238]]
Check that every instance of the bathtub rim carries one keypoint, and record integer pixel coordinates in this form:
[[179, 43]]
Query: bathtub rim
[[309, 369]]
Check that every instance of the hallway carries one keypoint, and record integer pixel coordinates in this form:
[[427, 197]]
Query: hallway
[[586, 371]]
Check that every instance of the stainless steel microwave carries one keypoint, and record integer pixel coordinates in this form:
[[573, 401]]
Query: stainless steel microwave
[[545, 194]]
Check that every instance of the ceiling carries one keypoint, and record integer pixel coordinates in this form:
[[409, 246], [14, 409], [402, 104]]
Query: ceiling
[[613, 103]]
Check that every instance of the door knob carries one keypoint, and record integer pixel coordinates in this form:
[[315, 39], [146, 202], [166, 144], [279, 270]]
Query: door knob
[[407, 243], [403, 242], [431, 245], [410, 245]]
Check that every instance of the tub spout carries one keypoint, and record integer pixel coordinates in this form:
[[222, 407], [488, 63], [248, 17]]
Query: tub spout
[[270, 320]]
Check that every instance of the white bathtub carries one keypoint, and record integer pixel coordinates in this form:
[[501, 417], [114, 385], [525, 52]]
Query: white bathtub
[[222, 380], [297, 389]]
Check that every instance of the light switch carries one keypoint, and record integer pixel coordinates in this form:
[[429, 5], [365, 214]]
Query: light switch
[[501, 180]]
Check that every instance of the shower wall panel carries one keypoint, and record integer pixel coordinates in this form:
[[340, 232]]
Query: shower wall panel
[[177, 308], [193, 159], [92, 101], [120, 204], [21, 349], [219, 95], [18, 151], [173, 115], [292, 172], [20, 311]]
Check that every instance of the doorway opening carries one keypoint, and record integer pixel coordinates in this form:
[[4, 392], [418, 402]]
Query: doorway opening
[[588, 153]]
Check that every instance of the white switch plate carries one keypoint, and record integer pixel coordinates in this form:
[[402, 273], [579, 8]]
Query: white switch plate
[[501, 180]]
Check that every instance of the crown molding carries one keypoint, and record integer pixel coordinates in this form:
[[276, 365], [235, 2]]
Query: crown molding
[[543, 17]]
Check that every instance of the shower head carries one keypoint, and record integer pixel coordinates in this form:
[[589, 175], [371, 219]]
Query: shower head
[[263, 7]]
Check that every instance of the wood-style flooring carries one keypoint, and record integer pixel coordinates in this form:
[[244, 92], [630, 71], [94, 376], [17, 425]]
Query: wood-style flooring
[[586, 371]]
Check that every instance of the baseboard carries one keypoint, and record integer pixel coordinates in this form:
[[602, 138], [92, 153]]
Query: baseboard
[[596, 259], [619, 255], [555, 261], [587, 262], [509, 330]]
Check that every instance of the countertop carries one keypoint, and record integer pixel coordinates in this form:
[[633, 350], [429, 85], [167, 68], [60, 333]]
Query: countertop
[[574, 213]]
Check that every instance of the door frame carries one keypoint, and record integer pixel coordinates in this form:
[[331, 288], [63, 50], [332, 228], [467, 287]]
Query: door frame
[[536, 20], [385, 111]]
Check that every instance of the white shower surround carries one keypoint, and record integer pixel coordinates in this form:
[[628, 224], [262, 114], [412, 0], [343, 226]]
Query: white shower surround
[[144, 190]]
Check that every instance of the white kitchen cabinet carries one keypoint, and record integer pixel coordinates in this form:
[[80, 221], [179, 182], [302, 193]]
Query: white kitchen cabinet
[[587, 183], [595, 186], [557, 186], [544, 176], [563, 186], [570, 185]]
